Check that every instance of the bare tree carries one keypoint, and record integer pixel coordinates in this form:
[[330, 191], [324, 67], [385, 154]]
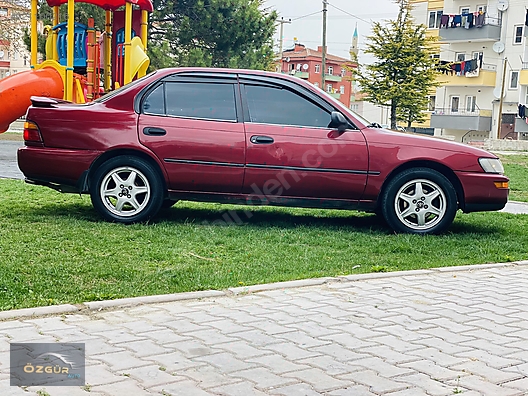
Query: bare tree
[[14, 20]]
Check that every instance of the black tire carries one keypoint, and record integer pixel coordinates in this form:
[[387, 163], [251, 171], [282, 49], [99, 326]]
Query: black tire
[[419, 201], [168, 203], [127, 189]]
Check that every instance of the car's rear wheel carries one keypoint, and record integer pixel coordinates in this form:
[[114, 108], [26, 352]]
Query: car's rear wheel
[[127, 189], [419, 201], [168, 203]]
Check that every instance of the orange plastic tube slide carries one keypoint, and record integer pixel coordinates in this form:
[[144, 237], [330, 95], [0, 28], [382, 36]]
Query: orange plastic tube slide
[[16, 91]]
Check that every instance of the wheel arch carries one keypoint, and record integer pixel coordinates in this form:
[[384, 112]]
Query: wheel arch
[[120, 152], [444, 170]]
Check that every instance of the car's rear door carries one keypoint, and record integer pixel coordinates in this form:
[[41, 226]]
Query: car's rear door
[[291, 151], [192, 122]]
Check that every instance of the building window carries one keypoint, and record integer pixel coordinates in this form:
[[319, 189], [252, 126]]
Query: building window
[[514, 79], [331, 70], [464, 10], [318, 68], [3, 12], [354, 107], [455, 101], [471, 104], [291, 66], [342, 89], [316, 84], [432, 101], [518, 35], [434, 19], [343, 72], [460, 56], [329, 88], [482, 8]]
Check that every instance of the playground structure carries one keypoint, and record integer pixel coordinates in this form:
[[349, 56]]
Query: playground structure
[[81, 63]]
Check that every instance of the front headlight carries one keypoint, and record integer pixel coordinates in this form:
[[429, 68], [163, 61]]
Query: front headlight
[[491, 165]]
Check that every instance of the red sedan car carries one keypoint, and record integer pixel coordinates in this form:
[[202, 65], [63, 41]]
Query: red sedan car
[[249, 137]]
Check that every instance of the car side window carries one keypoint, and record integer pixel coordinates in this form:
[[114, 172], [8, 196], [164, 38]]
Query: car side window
[[210, 101], [274, 105], [155, 102]]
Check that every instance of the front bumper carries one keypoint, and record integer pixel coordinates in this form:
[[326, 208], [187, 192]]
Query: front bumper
[[480, 192]]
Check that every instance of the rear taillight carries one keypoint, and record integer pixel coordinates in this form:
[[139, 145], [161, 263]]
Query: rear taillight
[[32, 132]]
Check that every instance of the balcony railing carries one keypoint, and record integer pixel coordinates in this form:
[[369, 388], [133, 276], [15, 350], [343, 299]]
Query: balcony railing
[[462, 111], [489, 31]]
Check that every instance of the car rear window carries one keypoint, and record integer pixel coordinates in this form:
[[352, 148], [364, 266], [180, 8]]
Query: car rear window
[[200, 100]]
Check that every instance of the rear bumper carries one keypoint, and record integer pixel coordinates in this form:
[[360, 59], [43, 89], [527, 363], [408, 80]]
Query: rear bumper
[[62, 169], [480, 192]]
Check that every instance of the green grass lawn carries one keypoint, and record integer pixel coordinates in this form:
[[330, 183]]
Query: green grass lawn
[[55, 249], [516, 168]]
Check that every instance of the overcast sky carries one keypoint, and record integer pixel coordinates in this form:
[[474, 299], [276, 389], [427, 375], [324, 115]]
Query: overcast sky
[[340, 25]]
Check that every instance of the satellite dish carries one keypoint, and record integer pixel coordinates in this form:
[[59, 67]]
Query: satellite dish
[[498, 47], [287, 59], [497, 92], [305, 66], [502, 5], [1, 54]]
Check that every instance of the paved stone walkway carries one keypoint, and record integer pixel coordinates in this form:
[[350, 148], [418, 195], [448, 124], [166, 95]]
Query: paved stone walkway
[[436, 332]]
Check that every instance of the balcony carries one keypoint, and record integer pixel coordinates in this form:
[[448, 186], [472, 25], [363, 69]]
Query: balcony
[[490, 31], [523, 76], [478, 120], [330, 77], [336, 95], [521, 126], [484, 77], [301, 74]]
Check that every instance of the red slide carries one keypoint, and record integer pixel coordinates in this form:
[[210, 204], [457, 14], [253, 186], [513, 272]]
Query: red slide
[[16, 91]]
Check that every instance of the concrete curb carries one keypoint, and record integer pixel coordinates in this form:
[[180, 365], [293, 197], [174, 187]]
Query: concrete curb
[[38, 311], [236, 291], [162, 298], [281, 285]]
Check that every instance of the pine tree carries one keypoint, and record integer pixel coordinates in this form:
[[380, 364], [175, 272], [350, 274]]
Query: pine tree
[[213, 33], [404, 72]]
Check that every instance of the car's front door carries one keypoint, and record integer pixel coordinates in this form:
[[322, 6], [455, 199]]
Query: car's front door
[[191, 122], [291, 151]]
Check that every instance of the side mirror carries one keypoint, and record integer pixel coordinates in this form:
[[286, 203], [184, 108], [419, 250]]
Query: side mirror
[[338, 121]]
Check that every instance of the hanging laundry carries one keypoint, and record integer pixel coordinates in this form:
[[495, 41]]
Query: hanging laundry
[[480, 19], [481, 56], [444, 21], [522, 111], [465, 21], [473, 65], [470, 20], [457, 20]]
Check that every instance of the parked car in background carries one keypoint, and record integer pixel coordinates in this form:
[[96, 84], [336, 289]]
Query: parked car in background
[[249, 137]]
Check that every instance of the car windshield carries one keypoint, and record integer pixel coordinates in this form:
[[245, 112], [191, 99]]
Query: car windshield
[[111, 94]]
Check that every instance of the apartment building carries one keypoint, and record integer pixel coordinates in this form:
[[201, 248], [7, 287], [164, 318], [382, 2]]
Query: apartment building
[[482, 52], [14, 56], [306, 63]]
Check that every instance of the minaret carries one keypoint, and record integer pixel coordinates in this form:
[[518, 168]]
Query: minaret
[[354, 48]]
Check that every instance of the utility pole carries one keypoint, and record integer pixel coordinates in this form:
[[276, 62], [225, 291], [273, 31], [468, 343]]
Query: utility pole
[[323, 62], [501, 97], [282, 21]]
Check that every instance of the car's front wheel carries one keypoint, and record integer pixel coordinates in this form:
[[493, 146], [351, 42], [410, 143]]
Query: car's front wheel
[[419, 201], [127, 189]]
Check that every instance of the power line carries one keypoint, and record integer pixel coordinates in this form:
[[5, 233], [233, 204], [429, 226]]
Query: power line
[[307, 15], [352, 15]]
